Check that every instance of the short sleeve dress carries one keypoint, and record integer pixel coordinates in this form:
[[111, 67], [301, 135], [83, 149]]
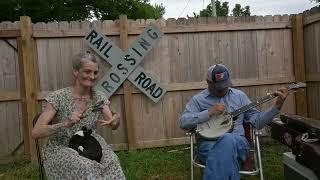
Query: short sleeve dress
[[62, 162]]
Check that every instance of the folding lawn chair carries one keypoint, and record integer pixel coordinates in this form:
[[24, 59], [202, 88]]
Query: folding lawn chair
[[247, 168]]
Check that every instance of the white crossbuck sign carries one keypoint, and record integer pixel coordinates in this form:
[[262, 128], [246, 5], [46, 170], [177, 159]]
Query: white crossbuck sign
[[126, 64]]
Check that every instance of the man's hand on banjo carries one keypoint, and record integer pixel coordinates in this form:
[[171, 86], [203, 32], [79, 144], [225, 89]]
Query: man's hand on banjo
[[216, 109], [282, 94]]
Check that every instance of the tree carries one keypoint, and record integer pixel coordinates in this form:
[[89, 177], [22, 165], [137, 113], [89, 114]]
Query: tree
[[71, 10], [223, 10], [238, 11], [134, 9]]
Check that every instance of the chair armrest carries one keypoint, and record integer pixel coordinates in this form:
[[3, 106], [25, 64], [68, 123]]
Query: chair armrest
[[258, 132], [190, 132]]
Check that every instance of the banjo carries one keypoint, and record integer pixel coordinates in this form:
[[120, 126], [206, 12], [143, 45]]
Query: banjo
[[222, 122]]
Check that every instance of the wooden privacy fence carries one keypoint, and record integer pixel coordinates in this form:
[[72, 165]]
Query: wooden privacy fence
[[311, 32], [263, 53]]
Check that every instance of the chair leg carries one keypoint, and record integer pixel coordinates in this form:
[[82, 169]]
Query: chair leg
[[40, 164], [259, 156], [191, 158]]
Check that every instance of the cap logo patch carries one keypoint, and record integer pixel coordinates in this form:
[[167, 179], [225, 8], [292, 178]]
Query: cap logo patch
[[219, 76]]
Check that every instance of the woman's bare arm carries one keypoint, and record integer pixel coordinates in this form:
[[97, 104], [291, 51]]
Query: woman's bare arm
[[42, 128], [110, 118]]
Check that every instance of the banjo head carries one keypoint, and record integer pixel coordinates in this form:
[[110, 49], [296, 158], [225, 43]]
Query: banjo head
[[216, 126]]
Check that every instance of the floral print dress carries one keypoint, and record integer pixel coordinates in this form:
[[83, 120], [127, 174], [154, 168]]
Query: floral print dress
[[62, 162]]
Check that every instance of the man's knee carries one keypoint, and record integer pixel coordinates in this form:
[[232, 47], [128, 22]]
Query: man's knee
[[227, 139]]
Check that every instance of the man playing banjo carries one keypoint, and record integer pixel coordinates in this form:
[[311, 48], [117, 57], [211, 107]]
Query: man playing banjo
[[222, 155]]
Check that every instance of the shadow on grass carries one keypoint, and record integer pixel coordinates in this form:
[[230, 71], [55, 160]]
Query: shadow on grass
[[158, 163]]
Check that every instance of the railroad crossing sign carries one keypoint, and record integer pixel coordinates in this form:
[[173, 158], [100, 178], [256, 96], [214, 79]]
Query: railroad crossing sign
[[126, 64]]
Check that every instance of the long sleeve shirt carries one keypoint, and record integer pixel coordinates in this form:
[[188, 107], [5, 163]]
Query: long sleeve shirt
[[197, 110]]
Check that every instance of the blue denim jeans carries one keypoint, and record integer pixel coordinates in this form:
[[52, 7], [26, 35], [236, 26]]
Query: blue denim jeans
[[223, 156]]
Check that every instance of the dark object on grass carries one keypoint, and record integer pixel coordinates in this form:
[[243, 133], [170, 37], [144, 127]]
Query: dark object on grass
[[302, 135]]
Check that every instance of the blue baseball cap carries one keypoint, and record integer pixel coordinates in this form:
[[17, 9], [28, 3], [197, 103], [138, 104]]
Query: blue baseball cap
[[218, 74]]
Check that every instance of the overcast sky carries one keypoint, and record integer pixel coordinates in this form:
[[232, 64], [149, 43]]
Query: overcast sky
[[182, 8]]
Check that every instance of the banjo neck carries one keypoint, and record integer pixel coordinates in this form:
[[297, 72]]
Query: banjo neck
[[252, 105], [264, 100]]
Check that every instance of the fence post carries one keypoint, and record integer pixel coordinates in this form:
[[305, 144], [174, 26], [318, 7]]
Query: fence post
[[299, 63], [28, 82], [127, 87]]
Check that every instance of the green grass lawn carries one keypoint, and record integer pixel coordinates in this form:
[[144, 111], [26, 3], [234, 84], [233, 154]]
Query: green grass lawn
[[157, 163]]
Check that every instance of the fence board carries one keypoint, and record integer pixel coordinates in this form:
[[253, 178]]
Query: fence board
[[12, 83], [127, 87], [172, 107], [174, 53], [299, 61], [246, 55], [10, 123], [312, 19], [312, 61], [168, 30], [162, 73], [313, 92], [9, 33], [118, 136], [4, 150]]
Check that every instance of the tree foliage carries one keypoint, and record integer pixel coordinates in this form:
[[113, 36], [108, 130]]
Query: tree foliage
[[134, 9], [71, 10], [239, 11], [222, 9]]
